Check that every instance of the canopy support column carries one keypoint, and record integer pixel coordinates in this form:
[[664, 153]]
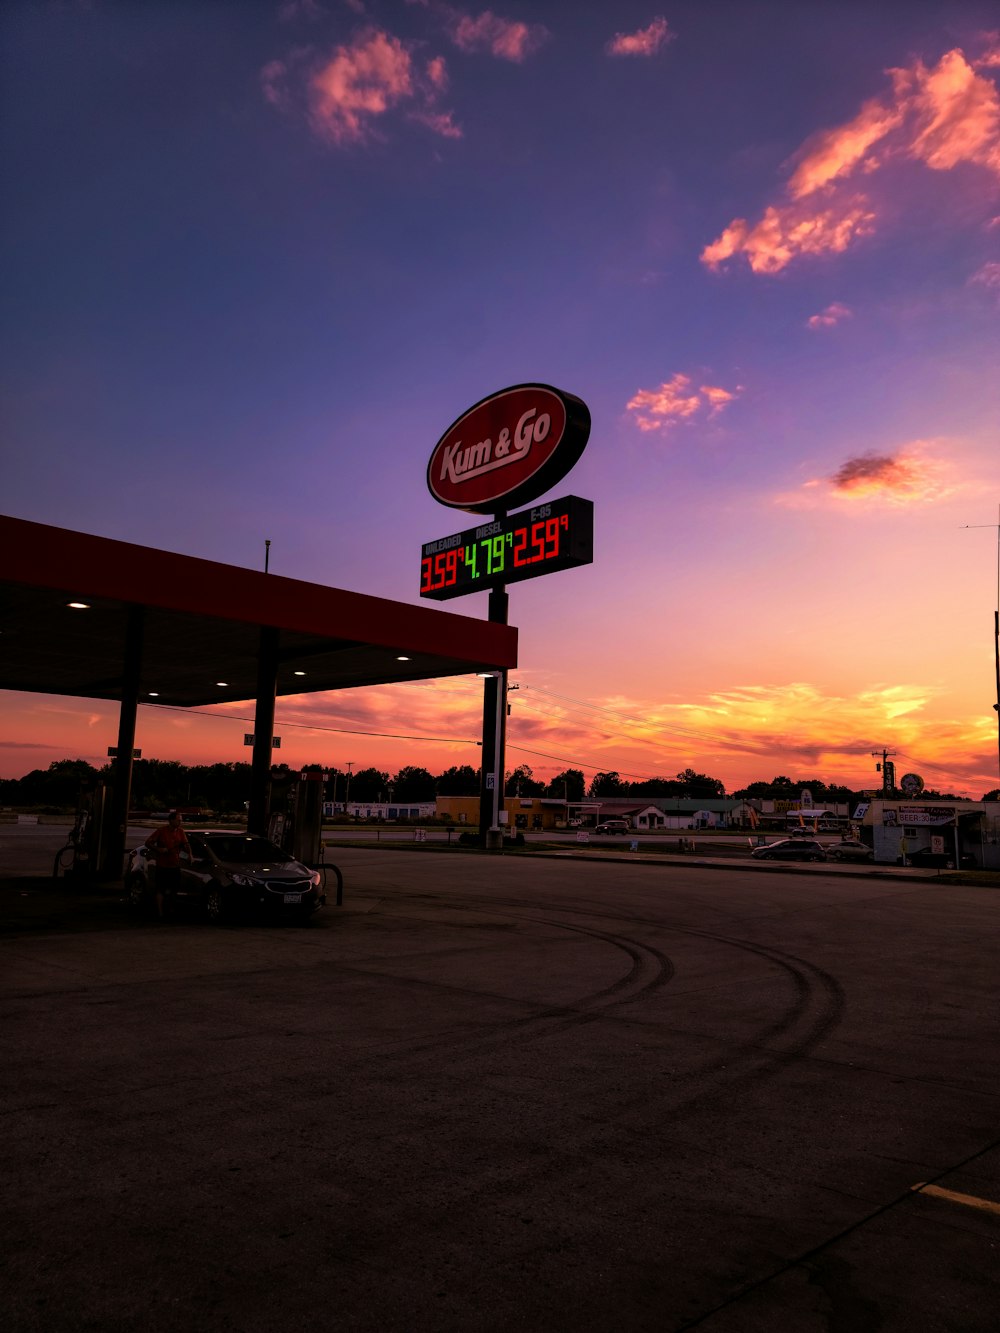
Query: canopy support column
[[111, 859], [263, 732]]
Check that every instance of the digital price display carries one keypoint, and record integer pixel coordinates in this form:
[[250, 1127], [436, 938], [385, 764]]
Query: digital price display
[[559, 535]]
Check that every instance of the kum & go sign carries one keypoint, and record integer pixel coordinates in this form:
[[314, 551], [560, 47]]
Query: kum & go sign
[[508, 448]]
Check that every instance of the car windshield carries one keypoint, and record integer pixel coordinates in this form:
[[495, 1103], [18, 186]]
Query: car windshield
[[243, 849]]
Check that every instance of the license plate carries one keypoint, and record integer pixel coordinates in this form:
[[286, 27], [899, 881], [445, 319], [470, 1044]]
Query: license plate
[[293, 897]]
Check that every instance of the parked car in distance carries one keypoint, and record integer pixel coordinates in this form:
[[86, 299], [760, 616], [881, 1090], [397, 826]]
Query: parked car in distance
[[850, 851], [614, 826], [940, 860], [790, 849], [231, 875]]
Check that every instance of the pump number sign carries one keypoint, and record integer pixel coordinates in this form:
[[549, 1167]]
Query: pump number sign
[[558, 535]]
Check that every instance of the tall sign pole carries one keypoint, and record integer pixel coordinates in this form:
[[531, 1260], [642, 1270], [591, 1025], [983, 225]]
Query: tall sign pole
[[505, 451], [494, 736]]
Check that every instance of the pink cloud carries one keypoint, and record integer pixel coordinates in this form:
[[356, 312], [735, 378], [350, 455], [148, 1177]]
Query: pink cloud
[[645, 42], [941, 117], [956, 112], [675, 401], [272, 83], [350, 93], [361, 83], [506, 39], [832, 315], [292, 10], [437, 73], [783, 234], [440, 122], [717, 398], [835, 153]]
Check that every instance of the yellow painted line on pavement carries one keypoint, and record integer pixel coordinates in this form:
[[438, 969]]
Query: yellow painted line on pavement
[[969, 1200]]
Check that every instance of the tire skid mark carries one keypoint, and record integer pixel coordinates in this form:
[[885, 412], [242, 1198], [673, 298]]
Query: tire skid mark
[[649, 970], [815, 1009]]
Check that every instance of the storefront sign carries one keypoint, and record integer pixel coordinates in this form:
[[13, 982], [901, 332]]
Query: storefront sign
[[926, 814], [508, 449]]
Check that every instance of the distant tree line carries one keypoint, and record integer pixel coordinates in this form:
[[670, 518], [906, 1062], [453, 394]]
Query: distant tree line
[[159, 784]]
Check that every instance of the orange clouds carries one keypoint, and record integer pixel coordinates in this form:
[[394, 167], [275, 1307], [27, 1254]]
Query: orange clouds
[[645, 42], [349, 95], [910, 475], [675, 401], [874, 474], [785, 233], [941, 117], [956, 114], [838, 152]]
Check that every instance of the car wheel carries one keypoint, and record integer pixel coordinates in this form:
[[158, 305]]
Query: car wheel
[[215, 906]]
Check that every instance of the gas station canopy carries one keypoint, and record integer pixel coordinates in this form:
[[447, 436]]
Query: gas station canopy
[[66, 599]]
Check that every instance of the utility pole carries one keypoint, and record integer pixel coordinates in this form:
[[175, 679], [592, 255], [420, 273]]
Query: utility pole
[[996, 625], [888, 771], [347, 797]]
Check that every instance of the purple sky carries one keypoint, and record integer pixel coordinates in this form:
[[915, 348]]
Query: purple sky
[[257, 257]]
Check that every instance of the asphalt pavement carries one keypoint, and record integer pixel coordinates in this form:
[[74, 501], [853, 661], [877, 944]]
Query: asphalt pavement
[[506, 1093]]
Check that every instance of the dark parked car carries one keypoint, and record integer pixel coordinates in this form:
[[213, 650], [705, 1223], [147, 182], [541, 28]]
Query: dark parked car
[[850, 851], [790, 849], [230, 875], [940, 860]]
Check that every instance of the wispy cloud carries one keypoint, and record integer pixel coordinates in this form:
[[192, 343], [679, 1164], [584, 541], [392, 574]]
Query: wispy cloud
[[645, 42], [349, 94], [826, 319], [988, 276], [505, 38], [675, 401], [942, 117]]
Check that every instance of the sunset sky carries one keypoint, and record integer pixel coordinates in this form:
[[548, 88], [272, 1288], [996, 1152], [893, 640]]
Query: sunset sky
[[257, 258]]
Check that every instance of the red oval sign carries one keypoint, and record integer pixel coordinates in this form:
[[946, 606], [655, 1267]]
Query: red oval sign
[[508, 449]]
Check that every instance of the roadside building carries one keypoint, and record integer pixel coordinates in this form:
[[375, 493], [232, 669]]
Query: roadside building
[[955, 830], [388, 810], [684, 813], [517, 812]]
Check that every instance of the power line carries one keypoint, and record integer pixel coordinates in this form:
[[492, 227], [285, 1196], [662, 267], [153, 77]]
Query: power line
[[312, 726]]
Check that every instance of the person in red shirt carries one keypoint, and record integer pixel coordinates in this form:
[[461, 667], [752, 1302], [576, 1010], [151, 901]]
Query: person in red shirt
[[166, 844]]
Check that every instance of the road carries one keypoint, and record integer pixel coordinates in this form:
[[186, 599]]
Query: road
[[505, 1094]]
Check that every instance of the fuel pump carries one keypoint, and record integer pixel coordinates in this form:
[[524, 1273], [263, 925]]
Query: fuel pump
[[81, 856], [307, 818], [296, 822]]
